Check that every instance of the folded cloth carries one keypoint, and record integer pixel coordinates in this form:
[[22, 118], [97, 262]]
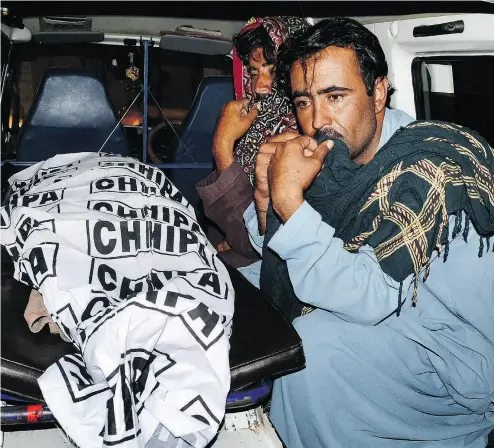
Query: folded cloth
[[37, 316]]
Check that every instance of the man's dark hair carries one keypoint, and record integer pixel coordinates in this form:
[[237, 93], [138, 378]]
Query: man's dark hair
[[339, 32], [245, 43]]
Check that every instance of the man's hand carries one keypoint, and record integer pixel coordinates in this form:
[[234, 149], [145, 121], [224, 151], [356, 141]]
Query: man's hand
[[292, 169], [266, 151], [261, 190], [233, 123], [223, 246]]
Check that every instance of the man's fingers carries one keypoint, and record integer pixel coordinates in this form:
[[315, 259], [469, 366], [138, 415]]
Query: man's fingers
[[322, 150], [223, 246], [268, 148], [262, 162], [263, 159], [305, 144], [241, 106], [254, 112], [283, 137], [243, 103]]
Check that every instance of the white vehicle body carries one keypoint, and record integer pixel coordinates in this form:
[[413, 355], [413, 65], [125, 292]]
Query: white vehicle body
[[252, 429]]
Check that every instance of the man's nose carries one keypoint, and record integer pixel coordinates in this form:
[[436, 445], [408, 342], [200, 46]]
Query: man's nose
[[263, 84], [320, 117]]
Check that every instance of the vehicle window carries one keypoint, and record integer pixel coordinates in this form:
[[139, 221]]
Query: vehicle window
[[459, 90], [173, 76]]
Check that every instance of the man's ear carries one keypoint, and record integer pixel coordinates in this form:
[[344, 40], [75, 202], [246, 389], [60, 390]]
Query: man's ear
[[380, 94]]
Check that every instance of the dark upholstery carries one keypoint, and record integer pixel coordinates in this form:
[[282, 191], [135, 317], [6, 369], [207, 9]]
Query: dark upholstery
[[8, 170], [262, 344], [25, 355], [196, 133], [71, 112], [196, 138]]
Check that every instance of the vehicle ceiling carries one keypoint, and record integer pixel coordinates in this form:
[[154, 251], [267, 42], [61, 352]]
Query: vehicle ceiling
[[151, 17]]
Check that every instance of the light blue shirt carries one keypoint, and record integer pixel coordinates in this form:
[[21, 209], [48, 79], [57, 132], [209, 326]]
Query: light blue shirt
[[423, 379], [306, 216], [427, 375]]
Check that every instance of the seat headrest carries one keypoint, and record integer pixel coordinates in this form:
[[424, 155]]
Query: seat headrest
[[71, 112], [198, 128]]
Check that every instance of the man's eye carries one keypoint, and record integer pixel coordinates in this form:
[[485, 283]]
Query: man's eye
[[335, 98], [301, 104]]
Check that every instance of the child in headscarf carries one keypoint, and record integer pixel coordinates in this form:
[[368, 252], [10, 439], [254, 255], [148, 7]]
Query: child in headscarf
[[261, 109]]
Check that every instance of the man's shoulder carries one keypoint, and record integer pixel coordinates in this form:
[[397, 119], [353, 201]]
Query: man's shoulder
[[394, 119], [397, 118]]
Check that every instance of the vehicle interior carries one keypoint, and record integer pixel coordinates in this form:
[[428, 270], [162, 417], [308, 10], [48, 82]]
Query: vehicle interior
[[150, 83]]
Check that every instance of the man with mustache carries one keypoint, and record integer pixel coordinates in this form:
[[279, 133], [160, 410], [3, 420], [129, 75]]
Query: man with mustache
[[260, 110], [348, 120], [379, 244]]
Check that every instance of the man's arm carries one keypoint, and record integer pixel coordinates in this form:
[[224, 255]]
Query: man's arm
[[322, 272], [261, 205], [252, 226], [223, 153], [225, 198], [261, 194], [233, 123], [325, 275], [227, 192]]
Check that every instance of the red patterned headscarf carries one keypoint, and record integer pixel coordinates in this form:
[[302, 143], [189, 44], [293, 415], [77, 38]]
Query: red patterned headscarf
[[276, 114]]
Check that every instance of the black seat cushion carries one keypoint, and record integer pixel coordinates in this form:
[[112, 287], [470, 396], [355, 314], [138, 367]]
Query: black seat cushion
[[263, 345], [8, 170], [25, 355], [71, 112], [195, 141]]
